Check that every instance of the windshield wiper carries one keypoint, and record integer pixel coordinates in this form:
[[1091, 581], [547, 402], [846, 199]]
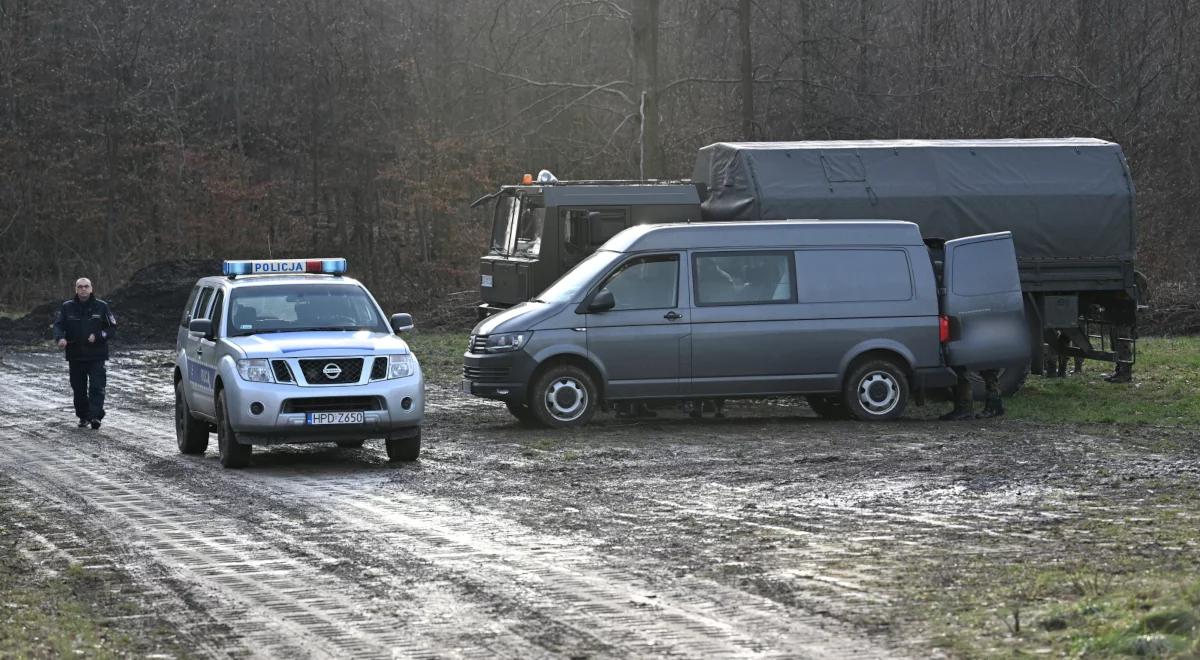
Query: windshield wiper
[[334, 328]]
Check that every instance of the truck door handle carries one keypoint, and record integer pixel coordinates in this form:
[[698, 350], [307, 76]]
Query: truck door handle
[[672, 316]]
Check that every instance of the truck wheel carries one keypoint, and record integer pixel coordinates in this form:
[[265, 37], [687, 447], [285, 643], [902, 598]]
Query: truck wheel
[[564, 396], [191, 434], [522, 412], [875, 390], [350, 444], [404, 449], [233, 454], [827, 406]]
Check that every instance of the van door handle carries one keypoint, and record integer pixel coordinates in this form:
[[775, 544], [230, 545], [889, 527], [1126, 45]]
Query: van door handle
[[672, 316]]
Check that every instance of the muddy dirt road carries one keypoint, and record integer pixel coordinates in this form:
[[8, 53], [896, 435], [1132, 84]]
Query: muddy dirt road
[[770, 533]]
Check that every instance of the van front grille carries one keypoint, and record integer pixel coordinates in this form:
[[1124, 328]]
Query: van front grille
[[477, 344]]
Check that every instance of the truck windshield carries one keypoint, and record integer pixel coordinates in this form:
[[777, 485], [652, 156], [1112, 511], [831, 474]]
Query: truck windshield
[[517, 226], [302, 308], [571, 287]]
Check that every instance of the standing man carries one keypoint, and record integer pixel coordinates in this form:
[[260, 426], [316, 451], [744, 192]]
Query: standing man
[[83, 327], [963, 405]]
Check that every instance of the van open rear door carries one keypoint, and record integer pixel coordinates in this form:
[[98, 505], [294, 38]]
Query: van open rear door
[[982, 297]]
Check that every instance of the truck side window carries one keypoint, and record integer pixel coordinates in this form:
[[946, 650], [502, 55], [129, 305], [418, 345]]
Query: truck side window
[[744, 278], [580, 239], [645, 283]]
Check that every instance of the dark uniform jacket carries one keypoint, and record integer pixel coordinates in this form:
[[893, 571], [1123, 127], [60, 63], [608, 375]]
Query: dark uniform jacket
[[77, 319]]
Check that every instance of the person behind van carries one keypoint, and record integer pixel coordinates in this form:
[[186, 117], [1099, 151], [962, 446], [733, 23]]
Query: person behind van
[[964, 406]]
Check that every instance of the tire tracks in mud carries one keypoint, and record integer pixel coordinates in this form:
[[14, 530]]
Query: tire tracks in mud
[[343, 564]]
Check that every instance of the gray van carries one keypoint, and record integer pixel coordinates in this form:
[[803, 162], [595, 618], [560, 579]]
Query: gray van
[[859, 316]]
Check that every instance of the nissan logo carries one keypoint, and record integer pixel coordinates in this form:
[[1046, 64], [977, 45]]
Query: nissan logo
[[332, 371]]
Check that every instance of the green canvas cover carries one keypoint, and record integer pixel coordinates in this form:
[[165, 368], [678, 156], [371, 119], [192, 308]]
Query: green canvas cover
[[1061, 198]]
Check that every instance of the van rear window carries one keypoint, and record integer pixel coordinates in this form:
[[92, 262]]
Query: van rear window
[[825, 276]]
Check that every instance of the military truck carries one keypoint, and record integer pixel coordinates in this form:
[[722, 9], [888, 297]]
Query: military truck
[[1068, 202]]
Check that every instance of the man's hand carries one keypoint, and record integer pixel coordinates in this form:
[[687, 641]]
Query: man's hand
[[62, 343], [91, 339]]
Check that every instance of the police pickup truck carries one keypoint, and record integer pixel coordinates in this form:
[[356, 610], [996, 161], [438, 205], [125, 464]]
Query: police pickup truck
[[293, 351]]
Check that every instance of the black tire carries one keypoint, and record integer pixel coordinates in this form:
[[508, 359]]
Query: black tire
[[827, 406], [191, 434], [1011, 380], [563, 397], [522, 412], [350, 444], [233, 454], [875, 390], [404, 449]]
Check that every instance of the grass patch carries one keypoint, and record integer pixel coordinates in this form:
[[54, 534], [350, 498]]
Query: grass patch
[[1125, 587], [71, 612], [440, 354], [1164, 391]]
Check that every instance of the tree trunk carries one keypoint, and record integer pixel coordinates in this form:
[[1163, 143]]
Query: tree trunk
[[645, 76], [748, 132]]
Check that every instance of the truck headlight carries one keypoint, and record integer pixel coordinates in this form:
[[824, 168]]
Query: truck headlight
[[401, 366], [507, 341], [256, 370]]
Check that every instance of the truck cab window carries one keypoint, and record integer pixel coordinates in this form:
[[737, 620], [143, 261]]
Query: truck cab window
[[517, 226]]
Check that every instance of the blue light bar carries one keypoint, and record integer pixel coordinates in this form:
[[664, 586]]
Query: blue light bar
[[334, 266]]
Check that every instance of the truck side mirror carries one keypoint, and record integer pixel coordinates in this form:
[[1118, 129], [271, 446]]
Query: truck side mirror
[[401, 323], [202, 327], [602, 302]]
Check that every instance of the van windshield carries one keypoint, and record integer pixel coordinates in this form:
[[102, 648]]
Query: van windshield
[[570, 287]]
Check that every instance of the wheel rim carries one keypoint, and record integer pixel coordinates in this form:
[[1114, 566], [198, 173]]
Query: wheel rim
[[879, 393], [566, 399]]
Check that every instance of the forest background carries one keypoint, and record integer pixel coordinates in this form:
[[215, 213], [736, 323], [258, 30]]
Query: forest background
[[138, 131]]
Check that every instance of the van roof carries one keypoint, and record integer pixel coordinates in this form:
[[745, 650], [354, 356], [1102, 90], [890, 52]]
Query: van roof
[[767, 233]]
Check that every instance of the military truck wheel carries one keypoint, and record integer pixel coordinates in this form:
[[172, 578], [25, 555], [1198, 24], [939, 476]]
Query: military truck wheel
[[233, 454], [564, 396], [875, 390], [827, 406], [191, 434], [350, 444], [404, 449], [522, 412]]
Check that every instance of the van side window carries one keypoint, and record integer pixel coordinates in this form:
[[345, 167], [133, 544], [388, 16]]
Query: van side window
[[853, 276], [972, 277], [187, 309], [744, 278], [645, 283]]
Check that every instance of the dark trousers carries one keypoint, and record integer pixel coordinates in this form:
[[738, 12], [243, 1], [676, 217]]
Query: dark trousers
[[87, 384]]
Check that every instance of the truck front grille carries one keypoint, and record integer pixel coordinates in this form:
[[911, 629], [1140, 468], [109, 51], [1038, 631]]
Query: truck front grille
[[348, 371]]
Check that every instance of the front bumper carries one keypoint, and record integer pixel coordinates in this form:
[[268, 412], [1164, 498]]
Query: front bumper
[[501, 376], [397, 410]]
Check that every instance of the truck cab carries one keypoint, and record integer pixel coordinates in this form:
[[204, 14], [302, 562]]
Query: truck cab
[[541, 230]]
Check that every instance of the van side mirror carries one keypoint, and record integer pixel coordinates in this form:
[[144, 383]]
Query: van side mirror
[[202, 327], [602, 301], [401, 323]]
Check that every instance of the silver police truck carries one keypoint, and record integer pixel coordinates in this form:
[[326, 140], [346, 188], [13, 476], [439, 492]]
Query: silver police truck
[[858, 316], [293, 351]]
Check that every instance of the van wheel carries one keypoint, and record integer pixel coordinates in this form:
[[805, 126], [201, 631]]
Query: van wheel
[[563, 397], [522, 412], [404, 449], [876, 390], [233, 454], [191, 434], [826, 406]]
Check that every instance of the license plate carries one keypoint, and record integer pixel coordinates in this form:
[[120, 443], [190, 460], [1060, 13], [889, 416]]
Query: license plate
[[335, 418], [467, 387], [486, 280]]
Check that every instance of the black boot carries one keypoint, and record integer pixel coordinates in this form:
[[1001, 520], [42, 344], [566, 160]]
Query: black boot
[[993, 408], [962, 410], [1122, 374]]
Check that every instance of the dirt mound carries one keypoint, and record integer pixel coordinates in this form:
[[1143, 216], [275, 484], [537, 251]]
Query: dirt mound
[[147, 306]]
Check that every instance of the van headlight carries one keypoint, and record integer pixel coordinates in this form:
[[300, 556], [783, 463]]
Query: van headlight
[[507, 341], [401, 366], [255, 370]]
